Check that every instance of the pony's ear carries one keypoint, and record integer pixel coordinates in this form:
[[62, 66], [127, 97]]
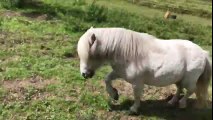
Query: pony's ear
[[92, 40]]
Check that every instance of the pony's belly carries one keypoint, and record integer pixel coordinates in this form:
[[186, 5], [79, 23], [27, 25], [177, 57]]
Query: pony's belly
[[163, 79], [165, 70], [161, 82]]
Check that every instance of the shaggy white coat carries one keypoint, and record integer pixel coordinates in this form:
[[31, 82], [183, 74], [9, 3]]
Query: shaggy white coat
[[140, 58]]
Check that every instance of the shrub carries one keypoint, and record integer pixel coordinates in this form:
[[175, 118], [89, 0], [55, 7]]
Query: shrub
[[10, 3], [96, 13], [75, 25]]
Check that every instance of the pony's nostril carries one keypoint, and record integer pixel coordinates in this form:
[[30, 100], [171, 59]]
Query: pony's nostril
[[88, 74], [84, 75]]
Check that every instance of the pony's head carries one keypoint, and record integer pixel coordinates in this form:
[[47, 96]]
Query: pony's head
[[87, 49]]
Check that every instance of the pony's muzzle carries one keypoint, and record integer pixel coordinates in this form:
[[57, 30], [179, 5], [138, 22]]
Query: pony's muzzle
[[88, 74]]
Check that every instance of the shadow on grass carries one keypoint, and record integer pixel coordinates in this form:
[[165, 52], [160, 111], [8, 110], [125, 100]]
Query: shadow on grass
[[159, 109]]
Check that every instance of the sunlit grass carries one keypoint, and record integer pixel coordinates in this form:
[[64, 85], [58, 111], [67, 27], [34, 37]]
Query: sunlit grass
[[42, 54]]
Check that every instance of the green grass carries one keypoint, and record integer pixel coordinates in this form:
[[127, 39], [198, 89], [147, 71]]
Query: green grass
[[193, 7], [39, 67], [150, 12]]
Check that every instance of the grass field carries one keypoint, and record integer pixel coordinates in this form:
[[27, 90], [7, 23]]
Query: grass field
[[201, 8], [150, 12], [39, 66]]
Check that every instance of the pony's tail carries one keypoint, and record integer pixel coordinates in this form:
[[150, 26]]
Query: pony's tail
[[203, 84]]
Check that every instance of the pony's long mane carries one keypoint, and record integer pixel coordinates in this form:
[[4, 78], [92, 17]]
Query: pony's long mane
[[120, 43]]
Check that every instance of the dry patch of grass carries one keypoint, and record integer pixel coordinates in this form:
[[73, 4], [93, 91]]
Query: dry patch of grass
[[30, 15], [9, 13], [37, 82], [27, 89]]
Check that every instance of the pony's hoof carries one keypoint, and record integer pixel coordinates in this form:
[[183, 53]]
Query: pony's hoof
[[182, 106], [110, 110], [199, 105], [132, 113], [115, 96], [170, 105]]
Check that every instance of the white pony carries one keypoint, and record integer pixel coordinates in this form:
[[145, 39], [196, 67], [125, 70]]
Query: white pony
[[140, 58]]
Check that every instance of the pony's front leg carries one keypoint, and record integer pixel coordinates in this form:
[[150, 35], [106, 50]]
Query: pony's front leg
[[108, 81], [137, 89]]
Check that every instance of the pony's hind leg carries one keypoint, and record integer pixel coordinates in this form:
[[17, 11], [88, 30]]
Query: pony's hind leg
[[108, 81], [190, 84], [175, 98], [183, 100], [190, 89]]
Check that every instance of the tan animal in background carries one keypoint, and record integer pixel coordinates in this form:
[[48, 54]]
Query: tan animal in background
[[168, 15]]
